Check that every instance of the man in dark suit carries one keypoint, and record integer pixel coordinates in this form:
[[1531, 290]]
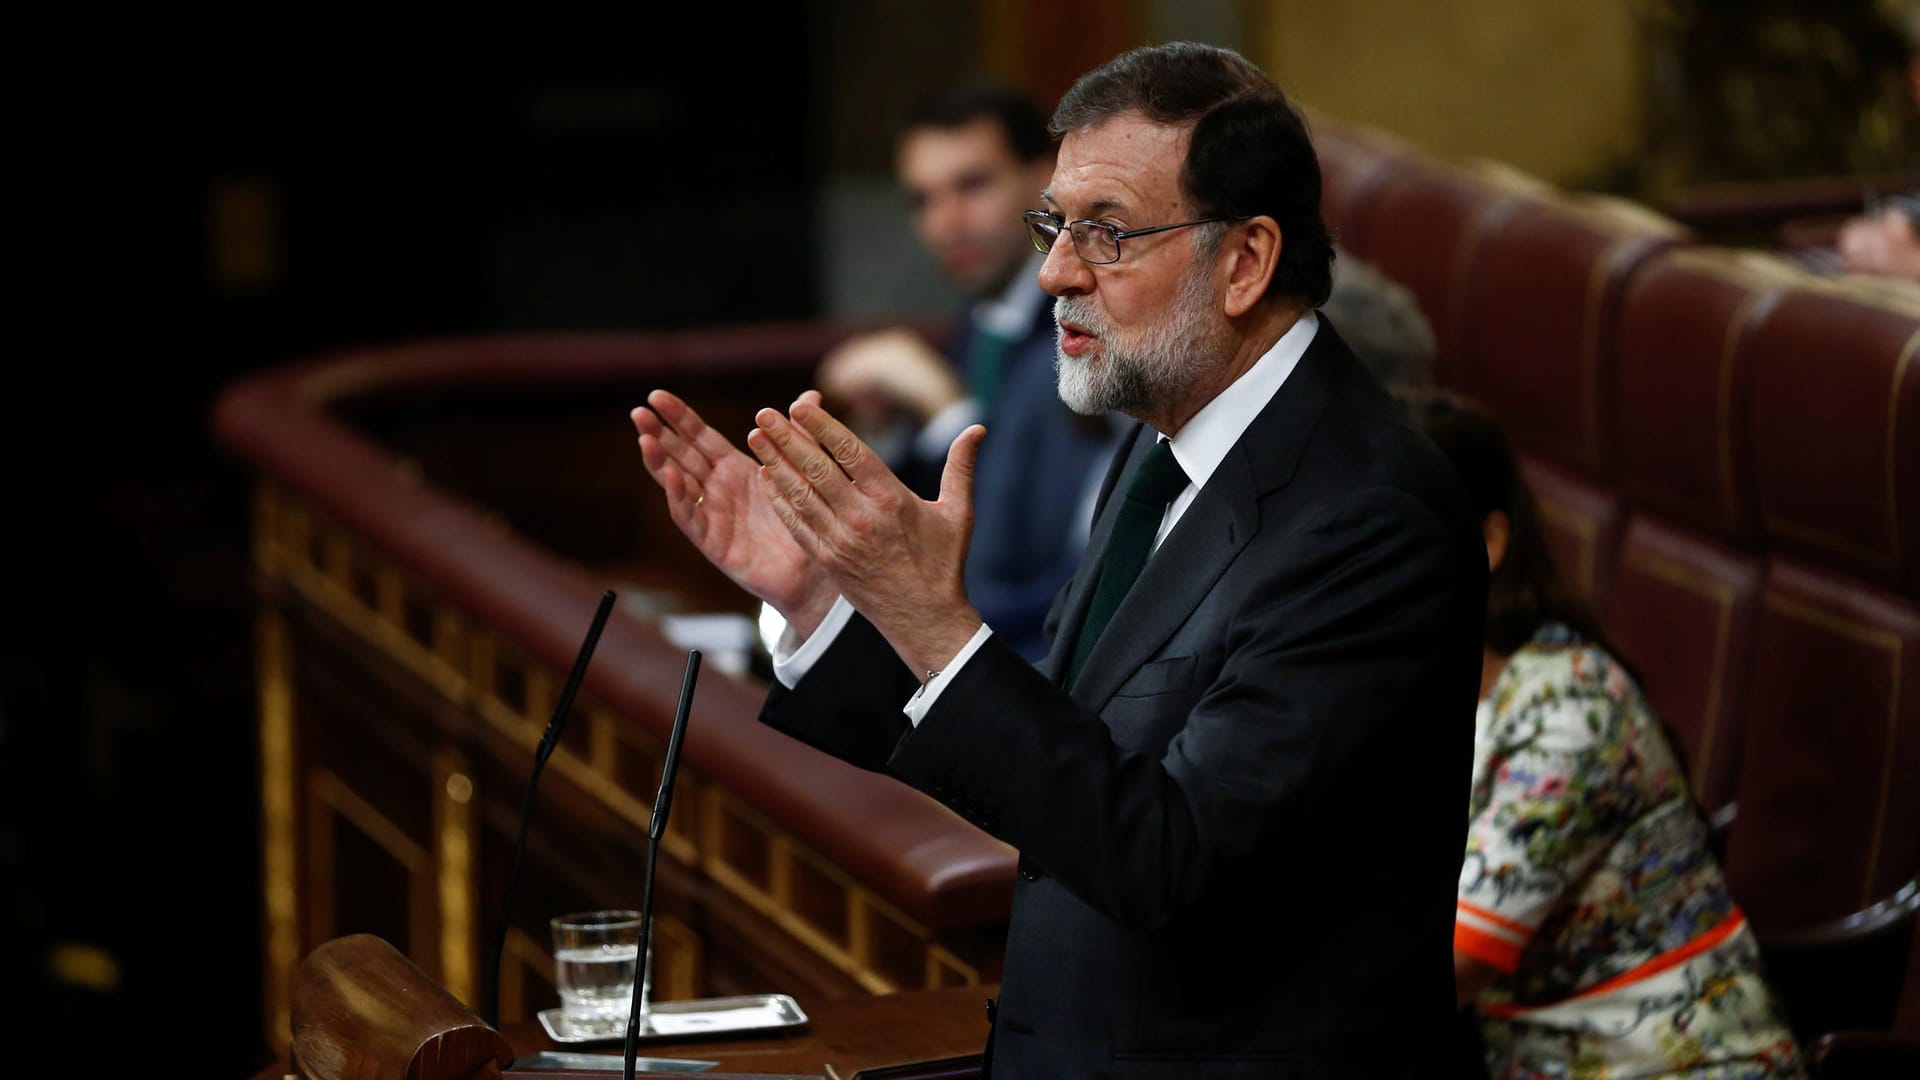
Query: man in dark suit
[[1238, 781], [970, 158]]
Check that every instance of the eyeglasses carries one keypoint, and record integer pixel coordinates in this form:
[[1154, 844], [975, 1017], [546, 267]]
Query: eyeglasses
[[1095, 241]]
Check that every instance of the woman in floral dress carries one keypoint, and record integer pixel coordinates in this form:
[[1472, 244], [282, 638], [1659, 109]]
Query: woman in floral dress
[[1594, 934]]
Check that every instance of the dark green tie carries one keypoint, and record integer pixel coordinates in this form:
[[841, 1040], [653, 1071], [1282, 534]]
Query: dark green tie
[[1154, 485], [986, 362]]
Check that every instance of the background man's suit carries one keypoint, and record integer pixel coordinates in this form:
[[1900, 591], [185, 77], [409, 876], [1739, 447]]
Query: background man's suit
[[1030, 482], [1241, 832]]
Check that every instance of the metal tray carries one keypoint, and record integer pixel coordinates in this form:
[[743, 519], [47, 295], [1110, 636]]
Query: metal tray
[[698, 1019]]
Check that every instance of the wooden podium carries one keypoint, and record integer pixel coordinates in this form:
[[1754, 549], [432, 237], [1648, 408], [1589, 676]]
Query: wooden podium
[[362, 1011]]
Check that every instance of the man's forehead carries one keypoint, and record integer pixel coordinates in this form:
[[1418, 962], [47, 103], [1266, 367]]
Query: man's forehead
[[978, 143], [1127, 162]]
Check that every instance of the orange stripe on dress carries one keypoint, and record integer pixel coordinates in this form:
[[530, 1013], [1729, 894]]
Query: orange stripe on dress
[[1496, 952], [1476, 910], [1668, 960]]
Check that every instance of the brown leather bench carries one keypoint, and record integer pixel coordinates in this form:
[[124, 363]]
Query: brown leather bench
[[1727, 454]]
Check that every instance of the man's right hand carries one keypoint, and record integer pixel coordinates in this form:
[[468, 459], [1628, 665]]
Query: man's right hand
[[714, 496], [890, 368]]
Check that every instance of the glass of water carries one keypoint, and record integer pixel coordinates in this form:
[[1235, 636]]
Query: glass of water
[[593, 967]]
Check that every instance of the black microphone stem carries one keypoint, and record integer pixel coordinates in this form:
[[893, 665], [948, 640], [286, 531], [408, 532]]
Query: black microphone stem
[[490, 980], [657, 828]]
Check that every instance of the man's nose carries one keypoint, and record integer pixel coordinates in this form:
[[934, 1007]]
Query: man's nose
[[1065, 273]]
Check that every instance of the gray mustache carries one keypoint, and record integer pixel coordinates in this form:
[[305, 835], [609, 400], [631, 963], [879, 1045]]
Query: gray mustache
[[1079, 312]]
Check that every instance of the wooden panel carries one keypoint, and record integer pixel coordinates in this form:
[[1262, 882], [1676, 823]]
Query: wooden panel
[[396, 731]]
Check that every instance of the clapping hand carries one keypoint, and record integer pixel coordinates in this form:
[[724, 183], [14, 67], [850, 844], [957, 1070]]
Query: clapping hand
[[714, 496], [897, 558]]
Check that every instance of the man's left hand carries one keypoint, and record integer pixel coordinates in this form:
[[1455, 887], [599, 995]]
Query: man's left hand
[[896, 558]]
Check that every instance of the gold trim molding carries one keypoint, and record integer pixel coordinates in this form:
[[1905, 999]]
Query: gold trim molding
[[372, 598]]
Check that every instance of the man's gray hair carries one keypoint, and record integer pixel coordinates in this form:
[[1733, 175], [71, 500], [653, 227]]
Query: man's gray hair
[[1380, 320]]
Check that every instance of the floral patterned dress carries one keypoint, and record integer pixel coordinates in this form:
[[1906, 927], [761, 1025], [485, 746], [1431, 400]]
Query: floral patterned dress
[[1589, 884]]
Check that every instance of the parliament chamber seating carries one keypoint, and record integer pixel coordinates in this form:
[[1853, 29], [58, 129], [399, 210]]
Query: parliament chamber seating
[[1726, 452]]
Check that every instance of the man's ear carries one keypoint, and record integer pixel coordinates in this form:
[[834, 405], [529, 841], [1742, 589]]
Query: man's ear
[[1251, 254]]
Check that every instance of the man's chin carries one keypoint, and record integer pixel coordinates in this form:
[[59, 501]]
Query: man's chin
[[1078, 384]]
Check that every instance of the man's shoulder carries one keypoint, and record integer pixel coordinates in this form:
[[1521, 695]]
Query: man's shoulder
[[1362, 440]]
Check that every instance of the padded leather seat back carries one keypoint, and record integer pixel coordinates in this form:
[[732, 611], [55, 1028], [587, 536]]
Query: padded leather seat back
[[1540, 327], [1829, 778], [1355, 162], [1835, 417], [1681, 609], [1682, 427], [1423, 226]]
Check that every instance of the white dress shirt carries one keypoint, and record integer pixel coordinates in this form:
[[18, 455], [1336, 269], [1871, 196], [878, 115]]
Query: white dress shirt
[[1199, 448]]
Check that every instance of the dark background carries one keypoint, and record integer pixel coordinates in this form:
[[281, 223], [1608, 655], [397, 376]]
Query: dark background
[[212, 209]]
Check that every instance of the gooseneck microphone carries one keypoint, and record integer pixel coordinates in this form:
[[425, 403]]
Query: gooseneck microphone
[[656, 829], [490, 981]]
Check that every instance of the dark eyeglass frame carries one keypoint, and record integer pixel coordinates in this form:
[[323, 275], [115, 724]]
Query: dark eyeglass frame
[[1044, 229]]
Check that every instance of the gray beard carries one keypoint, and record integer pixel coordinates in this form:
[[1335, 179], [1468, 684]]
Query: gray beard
[[1161, 365]]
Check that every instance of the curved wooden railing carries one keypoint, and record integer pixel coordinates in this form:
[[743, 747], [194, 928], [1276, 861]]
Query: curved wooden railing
[[466, 627]]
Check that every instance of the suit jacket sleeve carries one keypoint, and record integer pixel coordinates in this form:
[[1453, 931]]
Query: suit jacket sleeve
[[849, 703], [1325, 658]]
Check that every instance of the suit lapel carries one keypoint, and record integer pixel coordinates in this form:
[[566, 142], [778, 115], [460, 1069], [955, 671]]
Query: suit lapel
[[1215, 528]]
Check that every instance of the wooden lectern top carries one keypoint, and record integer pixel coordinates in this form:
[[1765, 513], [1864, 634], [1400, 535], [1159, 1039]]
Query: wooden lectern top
[[844, 1037], [363, 1011]]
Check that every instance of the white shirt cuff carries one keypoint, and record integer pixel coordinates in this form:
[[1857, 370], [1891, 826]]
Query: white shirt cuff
[[946, 426], [922, 701], [793, 658]]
